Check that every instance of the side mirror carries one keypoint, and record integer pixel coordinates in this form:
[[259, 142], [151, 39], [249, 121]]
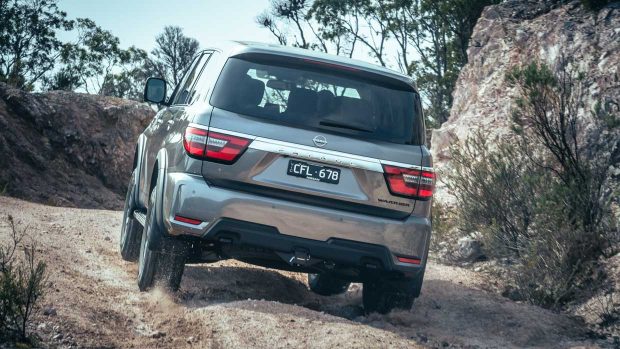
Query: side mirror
[[155, 90]]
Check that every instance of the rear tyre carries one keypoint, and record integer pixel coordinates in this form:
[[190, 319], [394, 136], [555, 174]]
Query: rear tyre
[[131, 230], [164, 267], [326, 284], [382, 296]]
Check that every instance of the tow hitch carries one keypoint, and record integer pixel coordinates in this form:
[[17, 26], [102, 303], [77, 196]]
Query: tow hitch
[[300, 257]]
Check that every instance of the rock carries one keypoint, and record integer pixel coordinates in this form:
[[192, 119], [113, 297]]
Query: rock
[[512, 294], [469, 249], [107, 238], [42, 326], [158, 334], [516, 32], [58, 336], [50, 311], [190, 340], [79, 149]]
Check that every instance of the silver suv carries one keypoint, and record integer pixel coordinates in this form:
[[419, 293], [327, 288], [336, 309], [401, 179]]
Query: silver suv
[[288, 159]]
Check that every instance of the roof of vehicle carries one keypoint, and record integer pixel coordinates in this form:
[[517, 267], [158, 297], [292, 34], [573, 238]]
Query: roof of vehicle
[[234, 48]]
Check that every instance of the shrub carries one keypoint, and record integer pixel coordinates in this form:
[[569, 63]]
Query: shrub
[[496, 192], [537, 197], [22, 284], [444, 236]]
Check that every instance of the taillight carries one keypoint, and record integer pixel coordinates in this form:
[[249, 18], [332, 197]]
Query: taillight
[[213, 146], [194, 141], [417, 184]]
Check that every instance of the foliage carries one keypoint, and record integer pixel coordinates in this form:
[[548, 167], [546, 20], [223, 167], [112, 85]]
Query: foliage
[[548, 107], [444, 237], [31, 56], [29, 47], [22, 284], [595, 4], [297, 14], [173, 54], [497, 192], [97, 64], [128, 80], [428, 39], [537, 197]]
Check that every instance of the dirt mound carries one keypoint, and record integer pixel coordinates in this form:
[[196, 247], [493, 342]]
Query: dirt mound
[[69, 149], [235, 305]]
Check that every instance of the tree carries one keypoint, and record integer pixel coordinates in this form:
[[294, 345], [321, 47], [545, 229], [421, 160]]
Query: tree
[[438, 34], [296, 14], [129, 81], [29, 47], [427, 39], [354, 22], [173, 54], [96, 63]]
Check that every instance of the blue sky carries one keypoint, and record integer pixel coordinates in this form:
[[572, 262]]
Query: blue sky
[[137, 22]]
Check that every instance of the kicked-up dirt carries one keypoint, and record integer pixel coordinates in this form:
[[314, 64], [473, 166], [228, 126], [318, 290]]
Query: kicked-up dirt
[[94, 301]]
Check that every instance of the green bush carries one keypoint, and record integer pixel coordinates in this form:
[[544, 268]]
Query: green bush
[[536, 196], [521, 212], [496, 191], [22, 284]]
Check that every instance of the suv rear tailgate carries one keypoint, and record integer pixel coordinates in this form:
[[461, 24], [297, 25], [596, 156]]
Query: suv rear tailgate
[[264, 167]]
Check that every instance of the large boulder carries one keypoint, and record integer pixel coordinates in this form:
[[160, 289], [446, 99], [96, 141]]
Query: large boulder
[[66, 148]]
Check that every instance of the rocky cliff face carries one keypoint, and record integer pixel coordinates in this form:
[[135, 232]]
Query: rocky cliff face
[[68, 149], [515, 33]]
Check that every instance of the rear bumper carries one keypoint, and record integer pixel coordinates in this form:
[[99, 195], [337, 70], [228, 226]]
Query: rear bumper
[[284, 226]]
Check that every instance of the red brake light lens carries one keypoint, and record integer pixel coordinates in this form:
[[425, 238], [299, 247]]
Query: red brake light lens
[[417, 184], [225, 148], [213, 146], [409, 260], [187, 220]]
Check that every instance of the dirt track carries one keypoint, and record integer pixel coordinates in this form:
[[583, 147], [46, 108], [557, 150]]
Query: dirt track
[[232, 304]]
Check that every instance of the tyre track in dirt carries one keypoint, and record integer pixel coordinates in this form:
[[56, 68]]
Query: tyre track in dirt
[[233, 304]]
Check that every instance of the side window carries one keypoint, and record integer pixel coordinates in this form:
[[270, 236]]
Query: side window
[[184, 90], [177, 88], [204, 81], [419, 121]]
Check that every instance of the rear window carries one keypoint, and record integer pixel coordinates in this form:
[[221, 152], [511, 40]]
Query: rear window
[[321, 98]]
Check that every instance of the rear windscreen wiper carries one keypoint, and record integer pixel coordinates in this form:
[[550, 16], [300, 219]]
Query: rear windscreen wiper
[[334, 123]]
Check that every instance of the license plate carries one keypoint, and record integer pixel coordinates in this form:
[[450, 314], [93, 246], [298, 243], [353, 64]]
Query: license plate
[[313, 172]]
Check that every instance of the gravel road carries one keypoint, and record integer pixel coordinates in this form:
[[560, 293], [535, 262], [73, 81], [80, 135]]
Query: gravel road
[[94, 301]]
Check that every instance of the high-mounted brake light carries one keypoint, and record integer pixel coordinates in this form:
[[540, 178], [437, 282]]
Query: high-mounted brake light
[[417, 184], [213, 146], [331, 65]]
